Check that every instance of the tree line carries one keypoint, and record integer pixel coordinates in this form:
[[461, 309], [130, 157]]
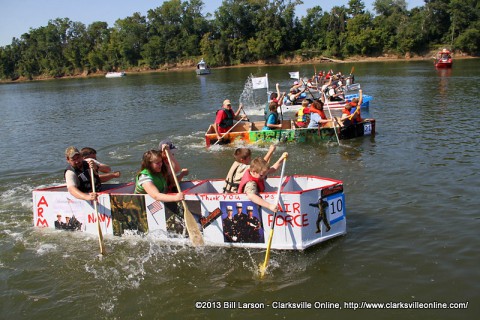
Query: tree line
[[240, 31]]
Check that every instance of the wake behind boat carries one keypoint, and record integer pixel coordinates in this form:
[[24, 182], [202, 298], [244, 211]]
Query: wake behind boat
[[314, 211]]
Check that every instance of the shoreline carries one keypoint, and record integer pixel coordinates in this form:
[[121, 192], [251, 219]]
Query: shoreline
[[191, 65]]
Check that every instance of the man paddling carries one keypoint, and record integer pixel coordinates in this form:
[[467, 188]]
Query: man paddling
[[77, 175], [224, 118]]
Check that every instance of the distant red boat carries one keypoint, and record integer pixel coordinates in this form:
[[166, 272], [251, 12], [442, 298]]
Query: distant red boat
[[443, 59]]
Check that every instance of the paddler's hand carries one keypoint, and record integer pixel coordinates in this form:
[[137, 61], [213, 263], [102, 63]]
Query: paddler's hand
[[91, 162], [273, 207], [179, 196], [92, 196], [284, 155]]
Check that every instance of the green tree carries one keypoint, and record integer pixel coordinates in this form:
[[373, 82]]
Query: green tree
[[130, 38]]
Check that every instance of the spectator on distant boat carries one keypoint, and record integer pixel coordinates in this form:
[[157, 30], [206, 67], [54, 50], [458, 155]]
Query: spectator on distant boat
[[272, 122], [253, 181], [152, 179], [77, 175], [243, 157], [317, 115], [107, 174], [303, 115], [225, 117]]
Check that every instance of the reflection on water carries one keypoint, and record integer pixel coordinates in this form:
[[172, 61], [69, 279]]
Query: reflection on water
[[410, 191]]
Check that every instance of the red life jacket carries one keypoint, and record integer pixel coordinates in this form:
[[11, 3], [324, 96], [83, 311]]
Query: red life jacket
[[248, 177]]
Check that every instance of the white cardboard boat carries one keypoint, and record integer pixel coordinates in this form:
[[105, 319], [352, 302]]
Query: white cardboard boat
[[314, 211]]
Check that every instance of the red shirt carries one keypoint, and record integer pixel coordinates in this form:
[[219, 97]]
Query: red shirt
[[219, 118]]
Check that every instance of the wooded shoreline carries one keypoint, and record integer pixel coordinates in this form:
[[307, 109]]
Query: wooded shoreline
[[191, 65]]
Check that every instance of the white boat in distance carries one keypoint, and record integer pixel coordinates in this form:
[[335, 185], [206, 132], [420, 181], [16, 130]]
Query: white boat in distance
[[202, 68], [313, 212], [115, 74]]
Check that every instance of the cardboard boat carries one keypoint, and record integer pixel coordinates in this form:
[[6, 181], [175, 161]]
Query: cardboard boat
[[251, 132], [313, 211]]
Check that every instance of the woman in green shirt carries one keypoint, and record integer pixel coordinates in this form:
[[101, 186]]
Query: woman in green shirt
[[153, 178]]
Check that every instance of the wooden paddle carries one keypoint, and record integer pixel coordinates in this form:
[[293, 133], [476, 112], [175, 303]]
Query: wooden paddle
[[100, 235], [226, 133], [327, 103], [263, 267], [192, 228]]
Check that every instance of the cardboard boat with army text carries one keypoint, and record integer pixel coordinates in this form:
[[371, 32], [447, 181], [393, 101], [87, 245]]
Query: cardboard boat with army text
[[313, 211]]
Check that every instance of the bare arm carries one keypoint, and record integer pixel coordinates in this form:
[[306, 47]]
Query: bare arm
[[109, 176], [74, 191], [153, 192], [277, 164], [270, 152]]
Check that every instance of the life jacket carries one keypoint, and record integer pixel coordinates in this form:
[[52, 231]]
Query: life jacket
[[231, 184], [275, 114], [321, 113], [301, 115], [84, 178], [158, 180], [228, 121], [247, 177]]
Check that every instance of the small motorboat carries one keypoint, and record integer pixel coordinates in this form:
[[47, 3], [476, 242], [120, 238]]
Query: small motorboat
[[443, 59]]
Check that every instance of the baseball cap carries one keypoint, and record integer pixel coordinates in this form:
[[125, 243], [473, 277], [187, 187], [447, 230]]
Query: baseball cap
[[226, 102], [71, 151], [169, 143]]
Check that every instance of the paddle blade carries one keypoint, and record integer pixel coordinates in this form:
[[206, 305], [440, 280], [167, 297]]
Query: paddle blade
[[263, 268], [192, 228]]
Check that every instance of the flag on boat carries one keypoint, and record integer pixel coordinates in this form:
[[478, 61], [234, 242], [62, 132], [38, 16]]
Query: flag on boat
[[294, 75], [155, 206], [259, 83]]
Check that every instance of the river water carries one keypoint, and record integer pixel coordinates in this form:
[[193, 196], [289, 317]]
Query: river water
[[411, 198]]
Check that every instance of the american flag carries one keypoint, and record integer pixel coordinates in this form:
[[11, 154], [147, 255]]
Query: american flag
[[155, 206]]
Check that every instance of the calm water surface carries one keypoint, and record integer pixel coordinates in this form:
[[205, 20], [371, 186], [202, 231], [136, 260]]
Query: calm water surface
[[411, 194]]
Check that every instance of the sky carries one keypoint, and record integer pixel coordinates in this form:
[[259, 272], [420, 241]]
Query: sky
[[19, 16]]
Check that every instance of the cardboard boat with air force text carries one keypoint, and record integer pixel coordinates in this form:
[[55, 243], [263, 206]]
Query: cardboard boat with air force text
[[313, 211]]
